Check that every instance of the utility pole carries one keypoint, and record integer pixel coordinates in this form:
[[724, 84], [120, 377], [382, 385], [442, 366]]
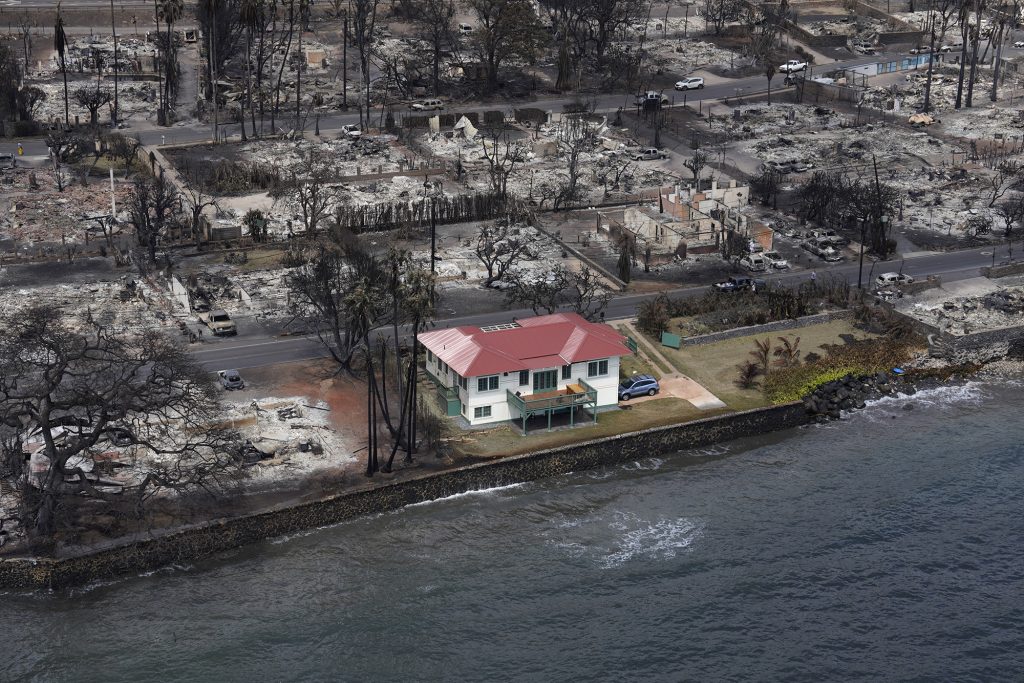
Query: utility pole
[[113, 29], [344, 63], [433, 238], [298, 71], [211, 55], [860, 269]]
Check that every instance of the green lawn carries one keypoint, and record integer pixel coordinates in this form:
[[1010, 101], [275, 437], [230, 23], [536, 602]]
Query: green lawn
[[714, 365], [505, 440]]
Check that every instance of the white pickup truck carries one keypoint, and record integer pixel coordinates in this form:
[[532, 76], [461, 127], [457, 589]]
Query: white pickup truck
[[219, 322], [792, 66]]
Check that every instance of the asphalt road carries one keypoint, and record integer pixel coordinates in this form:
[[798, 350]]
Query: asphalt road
[[250, 352], [35, 148]]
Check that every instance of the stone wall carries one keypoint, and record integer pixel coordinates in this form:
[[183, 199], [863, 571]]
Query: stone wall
[[1003, 271], [778, 325], [189, 544]]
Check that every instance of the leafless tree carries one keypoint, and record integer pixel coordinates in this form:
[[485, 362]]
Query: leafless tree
[[152, 204], [502, 156], [696, 164], [500, 246], [507, 29], [124, 148], [196, 200], [1009, 175], [69, 388], [364, 23], [26, 22], [718, 13], [308, 189], [66, 147], [92, 99], [323, 286], [434, 18], [575, 137]]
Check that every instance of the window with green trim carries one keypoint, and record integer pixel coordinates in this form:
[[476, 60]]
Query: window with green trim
[[489, 383]]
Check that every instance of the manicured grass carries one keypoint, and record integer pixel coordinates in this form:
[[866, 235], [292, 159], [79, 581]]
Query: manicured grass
[[507, 440], [714, 365]]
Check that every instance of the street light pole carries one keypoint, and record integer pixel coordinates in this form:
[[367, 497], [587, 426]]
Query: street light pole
[[860, 270]]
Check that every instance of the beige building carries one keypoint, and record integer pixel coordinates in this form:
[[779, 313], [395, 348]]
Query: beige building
[[686, 221]]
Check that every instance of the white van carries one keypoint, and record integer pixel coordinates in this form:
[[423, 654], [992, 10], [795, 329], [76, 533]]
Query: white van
[[465, 28]]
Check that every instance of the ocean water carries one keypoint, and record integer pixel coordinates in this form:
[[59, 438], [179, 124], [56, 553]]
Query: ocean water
[[887, 546]]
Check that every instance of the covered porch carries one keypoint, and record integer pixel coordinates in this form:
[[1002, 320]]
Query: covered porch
[[547, 403]]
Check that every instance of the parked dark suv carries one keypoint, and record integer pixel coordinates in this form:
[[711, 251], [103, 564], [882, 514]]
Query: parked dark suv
[[638, 385]]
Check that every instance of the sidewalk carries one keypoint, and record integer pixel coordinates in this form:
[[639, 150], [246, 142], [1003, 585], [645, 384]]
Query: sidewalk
[[674, 383]]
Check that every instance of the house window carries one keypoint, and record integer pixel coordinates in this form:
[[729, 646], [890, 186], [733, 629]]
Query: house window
[[524, 377], [464, 383], [545, 380], [597, 368], [566, 372], [481, 411], [463, 408], [430, 356], [487, 383]]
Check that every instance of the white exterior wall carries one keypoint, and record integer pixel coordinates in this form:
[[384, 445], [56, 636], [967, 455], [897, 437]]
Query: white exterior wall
[[471, 397], [606, 386]]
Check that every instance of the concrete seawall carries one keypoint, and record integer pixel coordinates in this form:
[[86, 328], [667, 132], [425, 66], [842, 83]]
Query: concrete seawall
[[192, 543]]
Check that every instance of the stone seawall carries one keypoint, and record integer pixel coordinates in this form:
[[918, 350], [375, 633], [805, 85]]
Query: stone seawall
[[192, 543]]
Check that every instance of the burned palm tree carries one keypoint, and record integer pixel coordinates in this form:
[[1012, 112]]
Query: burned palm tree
[[60, 44]]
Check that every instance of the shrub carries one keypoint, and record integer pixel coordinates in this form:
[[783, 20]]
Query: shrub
[[862, 357], [652, 316]]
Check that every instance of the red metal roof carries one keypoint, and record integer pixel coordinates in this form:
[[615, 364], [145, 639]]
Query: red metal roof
[[546, 341]]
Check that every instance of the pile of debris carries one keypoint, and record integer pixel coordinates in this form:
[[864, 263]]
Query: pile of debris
[[946, 200], [755, 120], [859, 27], [126, 307], [945, 79], [45, 216], [991, 123], [887, 144], [690, 24], [343, 156], [994, 310], [287, 437], [460, 265], [135, 101], [681, 56]]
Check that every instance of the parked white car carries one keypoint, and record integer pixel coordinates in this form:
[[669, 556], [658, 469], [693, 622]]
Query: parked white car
[[690, 84], [774, 260], [886, 279], [1018, 43], [792, 66], [427, 105], [351, 131]]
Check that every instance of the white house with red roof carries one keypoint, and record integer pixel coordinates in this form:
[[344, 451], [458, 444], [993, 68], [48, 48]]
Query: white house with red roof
[[541, 366]]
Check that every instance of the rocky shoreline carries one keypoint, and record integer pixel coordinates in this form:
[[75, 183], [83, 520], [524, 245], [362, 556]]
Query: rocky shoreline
[[852, 392]]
